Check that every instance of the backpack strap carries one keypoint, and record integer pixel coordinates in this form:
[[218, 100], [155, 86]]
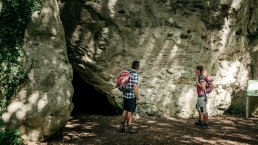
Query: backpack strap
[[131, 71]]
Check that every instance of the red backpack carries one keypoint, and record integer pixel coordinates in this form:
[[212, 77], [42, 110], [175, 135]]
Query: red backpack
[[123, 80], [209, 84]]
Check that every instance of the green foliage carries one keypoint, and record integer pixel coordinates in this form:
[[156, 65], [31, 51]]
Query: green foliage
[[10, 137], [14, 17]]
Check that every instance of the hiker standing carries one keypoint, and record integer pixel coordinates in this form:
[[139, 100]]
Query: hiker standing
[[131, 98], [201, 105]]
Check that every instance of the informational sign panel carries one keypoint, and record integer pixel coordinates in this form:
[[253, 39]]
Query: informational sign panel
[[252, 88]]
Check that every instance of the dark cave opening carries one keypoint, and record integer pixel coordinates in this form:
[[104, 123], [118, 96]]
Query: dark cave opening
[[87, 100]]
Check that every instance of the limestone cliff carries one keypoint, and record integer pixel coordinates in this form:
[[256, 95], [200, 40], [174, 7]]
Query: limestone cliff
[[169, 37], [103, 37], [43, 103]]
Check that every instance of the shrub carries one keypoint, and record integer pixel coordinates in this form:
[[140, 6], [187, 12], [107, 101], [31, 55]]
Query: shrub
[[10, 137], [14, 17]]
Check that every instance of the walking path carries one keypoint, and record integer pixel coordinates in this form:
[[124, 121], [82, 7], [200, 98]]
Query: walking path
[[98, 129]]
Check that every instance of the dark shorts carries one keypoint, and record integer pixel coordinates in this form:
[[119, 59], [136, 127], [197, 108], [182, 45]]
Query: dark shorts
[[130, 104]]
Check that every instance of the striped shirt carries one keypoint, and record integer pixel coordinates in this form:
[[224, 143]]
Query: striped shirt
[[134, 80]]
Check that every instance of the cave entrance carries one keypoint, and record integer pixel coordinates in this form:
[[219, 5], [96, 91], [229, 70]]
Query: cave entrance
[[87, 100]]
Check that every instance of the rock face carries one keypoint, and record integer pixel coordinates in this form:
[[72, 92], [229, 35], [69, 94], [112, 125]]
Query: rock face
[[169, 37], [43, 104]]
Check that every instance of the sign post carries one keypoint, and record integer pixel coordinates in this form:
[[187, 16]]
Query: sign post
[[252, 90]]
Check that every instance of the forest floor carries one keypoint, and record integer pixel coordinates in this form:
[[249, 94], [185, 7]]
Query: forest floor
[[102, 130]]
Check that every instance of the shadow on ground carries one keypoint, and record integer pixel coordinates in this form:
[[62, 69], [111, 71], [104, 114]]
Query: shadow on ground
[[98, 129]]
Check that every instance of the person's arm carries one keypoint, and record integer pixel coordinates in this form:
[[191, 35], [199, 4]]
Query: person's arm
[[200, 82], [136, 91], [136, 87], [201, 85]]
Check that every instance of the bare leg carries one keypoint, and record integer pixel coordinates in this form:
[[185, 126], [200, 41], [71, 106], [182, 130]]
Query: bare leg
[[129, 123], [124, 116], [205, 118], [129, 118], [200, 116], [122, 124]]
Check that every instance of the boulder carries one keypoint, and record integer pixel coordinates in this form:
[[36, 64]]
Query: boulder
[[43, 103]]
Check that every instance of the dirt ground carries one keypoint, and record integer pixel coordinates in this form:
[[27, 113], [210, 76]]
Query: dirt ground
[[98, 129]]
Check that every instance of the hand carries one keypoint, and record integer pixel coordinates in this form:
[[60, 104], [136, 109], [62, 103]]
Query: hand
[[137, 101]]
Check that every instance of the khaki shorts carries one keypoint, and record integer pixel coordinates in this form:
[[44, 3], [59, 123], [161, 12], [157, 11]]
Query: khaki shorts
[[201, 105]]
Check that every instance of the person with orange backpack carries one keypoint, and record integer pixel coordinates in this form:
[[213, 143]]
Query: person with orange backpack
[[128, 83]]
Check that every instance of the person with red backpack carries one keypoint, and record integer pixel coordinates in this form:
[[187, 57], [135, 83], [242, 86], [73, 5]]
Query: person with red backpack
[[201, 105], [131, 98]]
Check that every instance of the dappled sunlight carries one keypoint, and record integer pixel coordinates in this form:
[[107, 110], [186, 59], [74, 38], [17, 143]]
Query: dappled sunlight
[[236, 4], [31, 76], [31, 135], [11, 109], [167, 100], [200, 140], [19, 109], [225, 34], [226, 141], [173, 52], [46, 61], [163, 57], [213, 140], [90, 126], [47, 12], [163, 124], [96, 129], [147, 48], [22, 93], [71, 135], [171, 118], [54, 60], [160, 55], [216, 140], [151, 121], [255, 49], [79, 129], [35, 16], [1, 6], [228, 128], [230, 71], [54, 31], [226, 121], [187, 101], [111, 6], [238, 135], [42, 102]]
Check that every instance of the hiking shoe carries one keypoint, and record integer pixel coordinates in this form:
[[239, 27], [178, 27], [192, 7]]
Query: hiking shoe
[[132, 130], [204, 126], [198, 123], [121, 128]]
